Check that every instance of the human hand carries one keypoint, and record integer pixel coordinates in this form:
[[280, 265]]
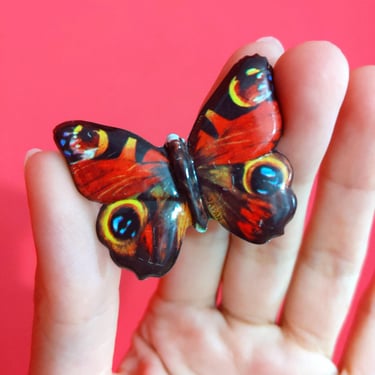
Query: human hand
[[311, 273]]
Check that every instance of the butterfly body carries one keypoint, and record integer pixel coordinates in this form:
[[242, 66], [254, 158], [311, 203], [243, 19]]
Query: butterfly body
[[187, 181], [228, 170]]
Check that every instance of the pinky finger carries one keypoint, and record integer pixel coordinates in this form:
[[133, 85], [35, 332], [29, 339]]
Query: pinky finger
[[359, 356]]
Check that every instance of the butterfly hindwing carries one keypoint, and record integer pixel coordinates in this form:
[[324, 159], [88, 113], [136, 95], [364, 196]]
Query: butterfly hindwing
[[251, 200], [244, 182], [143, 235], [143, 219]]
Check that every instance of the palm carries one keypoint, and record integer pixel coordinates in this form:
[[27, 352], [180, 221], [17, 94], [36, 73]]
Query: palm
[[311, 273], [196, 340]]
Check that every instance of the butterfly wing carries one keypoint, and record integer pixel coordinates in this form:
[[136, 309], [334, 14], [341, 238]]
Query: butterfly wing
[[241, 120], [143, 235], [245, 184], [252, 199], [143, 218], [109, 164]]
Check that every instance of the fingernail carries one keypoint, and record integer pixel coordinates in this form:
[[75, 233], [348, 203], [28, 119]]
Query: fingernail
[[30, 153], [267, 39], [270, 39]]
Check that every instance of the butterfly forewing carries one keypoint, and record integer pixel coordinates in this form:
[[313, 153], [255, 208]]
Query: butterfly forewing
[[108, 164], [241, 120]]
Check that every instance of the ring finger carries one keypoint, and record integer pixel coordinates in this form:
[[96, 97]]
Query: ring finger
[[335, 242]]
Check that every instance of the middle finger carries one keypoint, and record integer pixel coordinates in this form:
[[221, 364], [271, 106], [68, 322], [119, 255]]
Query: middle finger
[[311, 81]]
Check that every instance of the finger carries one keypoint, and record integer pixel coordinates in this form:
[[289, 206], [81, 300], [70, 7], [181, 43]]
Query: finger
[[196, 275], [76, 291], [336, 238], [310, 82], [359, 357]]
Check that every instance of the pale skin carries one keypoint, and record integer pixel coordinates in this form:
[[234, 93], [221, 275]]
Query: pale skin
[[329, 125]]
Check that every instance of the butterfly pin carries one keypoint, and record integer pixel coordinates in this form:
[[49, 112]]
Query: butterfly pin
[[228, 170]]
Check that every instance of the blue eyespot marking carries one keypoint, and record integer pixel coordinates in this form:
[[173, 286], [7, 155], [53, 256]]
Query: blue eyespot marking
[[266, 180]]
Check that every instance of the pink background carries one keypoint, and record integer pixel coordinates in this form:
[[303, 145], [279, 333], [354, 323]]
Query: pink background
[[143, 65]]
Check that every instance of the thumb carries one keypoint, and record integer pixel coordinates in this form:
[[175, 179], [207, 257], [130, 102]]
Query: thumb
[[76, 291]]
